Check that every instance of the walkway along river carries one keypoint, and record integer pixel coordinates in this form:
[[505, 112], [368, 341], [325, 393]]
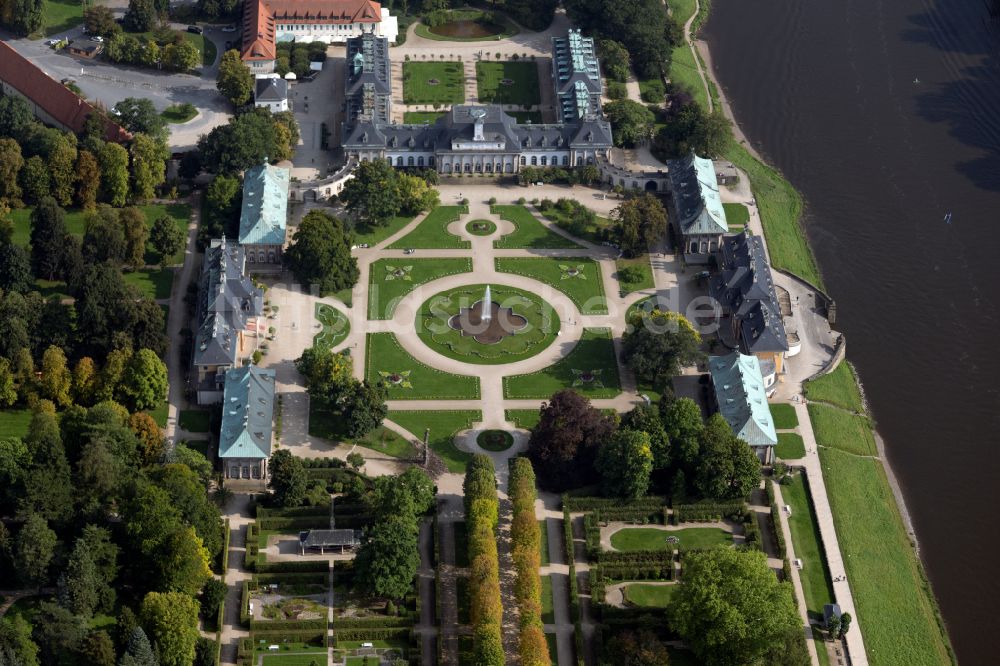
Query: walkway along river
[[886, 117]]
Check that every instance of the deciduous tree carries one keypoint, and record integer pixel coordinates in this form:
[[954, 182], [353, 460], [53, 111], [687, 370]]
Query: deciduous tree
[[320, 254], [660, 343], [138, 115], [8, 389], [171, 619], [62, 171], [234, 80], [167, 239], [57, 380], [638, 224], [631, 122], [34, 549], [144, 384], [564, 444], [11, 163], [15, 268], [35, 180], [373, 194], [113, 160], [727, 467], [732, 609], [88, 175], [625, 462], [387, 561], [636, 648], [288, 478], [149, 166]]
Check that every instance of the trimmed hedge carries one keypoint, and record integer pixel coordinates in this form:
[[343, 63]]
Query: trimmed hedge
[[289, 567], [292, 511], [650, 503], [574, 586], [300, 522], [288, 625], [371, 634], [525, 536], [751, 531], [372, 622], [707, 511], [311, 637], [485, 606], [779, 536]]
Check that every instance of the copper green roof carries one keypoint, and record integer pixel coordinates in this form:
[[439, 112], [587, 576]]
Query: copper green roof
[[247, 411], [265, 205], [742, 398]]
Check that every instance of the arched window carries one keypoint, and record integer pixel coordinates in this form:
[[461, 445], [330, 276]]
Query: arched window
[[534, 160], [694, 247], [712, 246], [489, 168], [565, 160], [420, 161], [704, 247], [409, 161], [447, 168], [468, 168], [509, 168], [479, 167], [523, 160], [545, 160], [399, 160], [260, 256]]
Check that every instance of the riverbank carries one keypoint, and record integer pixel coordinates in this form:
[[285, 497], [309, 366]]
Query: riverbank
[[885, 622]]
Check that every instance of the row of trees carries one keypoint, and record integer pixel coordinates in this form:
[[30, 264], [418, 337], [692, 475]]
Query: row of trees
[[526, 539], [178, 55], [137, 380], [38, 161], [94, 509], [481, 517], [670, 450]]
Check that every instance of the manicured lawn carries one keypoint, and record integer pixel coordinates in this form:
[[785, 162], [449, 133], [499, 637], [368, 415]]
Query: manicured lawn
[[807, 542], [537, 333], [736, 214], [547, 615], [20, 219], [530, 233], [409, 379], [790, 446], [433, 83], [152, 283], [646, 538], [684, 72], [295, 659], [590, 369], [422, 117], [329, 425], [841, 430], [443, 425], [523, 418], [784, 415], [60, 15], [838, 388], [645, 281], [543, 542], [179, 113], [14, 423], [897, 612], [577, 277], [194, 420], [374, 235], [180, 213], [391, 279], [593, 232], [780, 207], [432, 232], [508, 83], [336, 326], [649, 596], [523, 117], [159, 414]]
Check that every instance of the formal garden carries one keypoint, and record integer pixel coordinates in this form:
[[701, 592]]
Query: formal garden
[[433, 82], [335, 326], [454, 324], [406, 378], [432, 232], [590, 369], [389, 280], [509, 82], [577, 277]]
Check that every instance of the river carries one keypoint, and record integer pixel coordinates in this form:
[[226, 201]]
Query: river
[[886, 117]]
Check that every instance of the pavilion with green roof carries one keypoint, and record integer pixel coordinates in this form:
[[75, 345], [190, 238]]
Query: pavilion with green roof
[[741, 398], [247, 414]]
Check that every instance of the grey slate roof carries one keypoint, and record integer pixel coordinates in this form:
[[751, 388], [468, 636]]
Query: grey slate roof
[[227, 300], [327, 538], [744, 287], [247, 412], [368, 90], [498, 127], [270, 89]]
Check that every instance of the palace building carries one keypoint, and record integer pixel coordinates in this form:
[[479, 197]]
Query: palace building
[[268, 22], [475, 138]]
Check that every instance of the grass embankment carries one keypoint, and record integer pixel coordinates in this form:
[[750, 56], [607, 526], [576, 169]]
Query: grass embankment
[[784, 416], [838, 388], [842, 430]]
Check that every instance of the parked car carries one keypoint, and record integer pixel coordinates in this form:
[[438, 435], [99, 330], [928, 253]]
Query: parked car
[[229, 28], [195, 30], [97, 38], [51, 42], [408, 250], [364, 246]]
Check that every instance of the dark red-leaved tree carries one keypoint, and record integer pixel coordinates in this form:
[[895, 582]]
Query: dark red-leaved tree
[[564, 444]]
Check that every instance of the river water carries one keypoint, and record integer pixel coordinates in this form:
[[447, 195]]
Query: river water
[[886, 117]]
